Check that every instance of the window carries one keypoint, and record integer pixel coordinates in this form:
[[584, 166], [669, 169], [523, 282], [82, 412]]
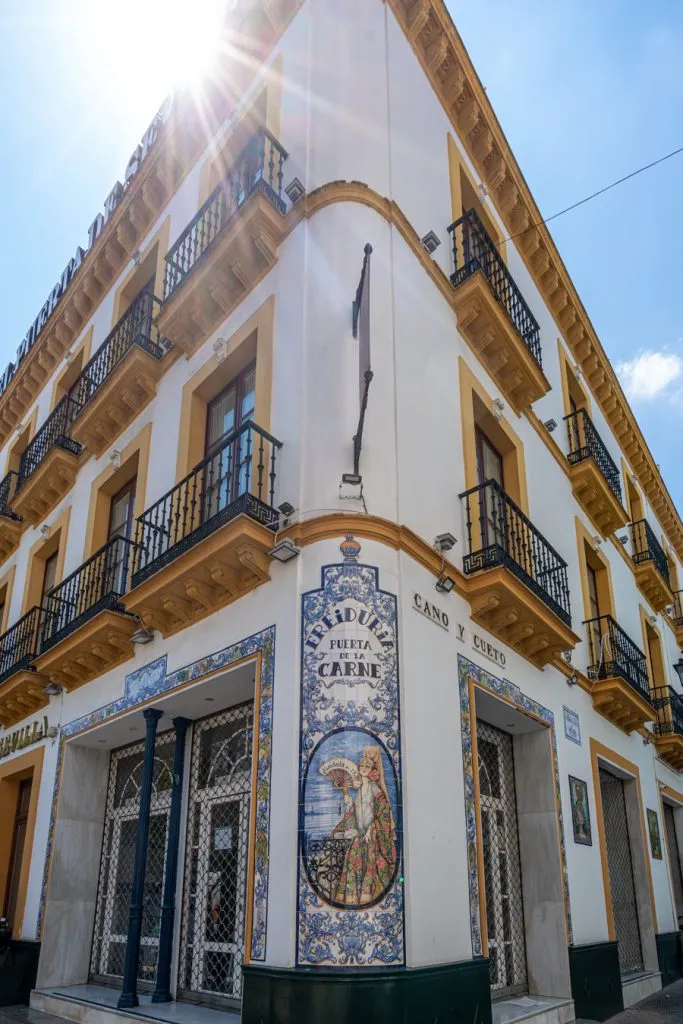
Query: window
[[635, 504], [49, 575], [489, 460], [17, 851], [228, 466], [593, 592], [121, 511]]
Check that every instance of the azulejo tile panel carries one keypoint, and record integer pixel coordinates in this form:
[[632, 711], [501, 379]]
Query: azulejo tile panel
[[468, 670], [350, 880], [152, 681]]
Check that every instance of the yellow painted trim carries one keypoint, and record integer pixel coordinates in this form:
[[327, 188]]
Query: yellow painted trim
[[82, 351], [598, 750], [40, 550], [122, 298], [673, 794], [28, 765], [210, 378], [109, 481], [653, 671], [571, 382], [630, 486], [7, 585], [457, 170], [27, 434], [500, 433], [583, 536]]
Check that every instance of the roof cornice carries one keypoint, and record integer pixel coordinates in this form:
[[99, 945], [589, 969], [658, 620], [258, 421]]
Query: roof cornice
[[439, 48]]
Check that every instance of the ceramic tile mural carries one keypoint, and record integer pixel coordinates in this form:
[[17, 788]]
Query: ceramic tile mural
[[467, 671], [350, 887], [151, 681]]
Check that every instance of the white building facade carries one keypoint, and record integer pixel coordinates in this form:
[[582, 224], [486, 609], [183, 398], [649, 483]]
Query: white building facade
[[340, 589]]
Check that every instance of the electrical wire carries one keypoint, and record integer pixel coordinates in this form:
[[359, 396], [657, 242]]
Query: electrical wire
[[593, 195]]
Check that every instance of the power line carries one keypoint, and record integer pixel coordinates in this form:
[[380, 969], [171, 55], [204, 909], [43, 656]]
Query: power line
[[601, 191]]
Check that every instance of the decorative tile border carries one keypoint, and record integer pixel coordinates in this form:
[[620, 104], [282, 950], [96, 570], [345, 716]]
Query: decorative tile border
[[503, 688], [151, 681]]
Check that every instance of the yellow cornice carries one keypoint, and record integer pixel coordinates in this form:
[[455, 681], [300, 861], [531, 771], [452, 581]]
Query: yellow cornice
[[438, 46]]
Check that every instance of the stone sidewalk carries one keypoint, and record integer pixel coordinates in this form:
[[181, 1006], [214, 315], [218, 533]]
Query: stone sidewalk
[[661, 1008]]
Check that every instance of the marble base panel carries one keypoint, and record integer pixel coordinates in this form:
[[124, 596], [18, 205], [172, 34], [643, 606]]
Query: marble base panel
[[96, 1004], [640, 987], [455, 993], [533, 1010]]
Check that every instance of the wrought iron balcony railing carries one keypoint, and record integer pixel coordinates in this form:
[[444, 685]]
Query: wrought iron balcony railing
[[646, 547], [54, 433], [135, 327], [96, 585], [8, 487], [669, 706], [19, 645], [586, 443], [257, 169], [678, 608], [237, 477], [474, 249], [499, 533], [613, 653]]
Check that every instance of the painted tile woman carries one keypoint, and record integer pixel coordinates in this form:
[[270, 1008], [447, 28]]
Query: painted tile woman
[[370, 860]]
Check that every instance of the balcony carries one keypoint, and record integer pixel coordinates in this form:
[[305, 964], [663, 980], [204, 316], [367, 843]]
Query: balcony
[[594, 475], [120, 379], [48, 466], [493, 316], [206, 542], [677, 616], [618, 668], [21, 687], [227, 247], [11, 524], [85, 631], [651, 566], [517, 583], [669, 725]]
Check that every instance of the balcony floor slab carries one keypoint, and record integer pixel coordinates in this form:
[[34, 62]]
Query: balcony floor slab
[[47, 485], [621, 704], [485, 323], [95, 647], [508, 609], [653, 586], [670, 748], [21, 695], [597, 498], [218, 570]]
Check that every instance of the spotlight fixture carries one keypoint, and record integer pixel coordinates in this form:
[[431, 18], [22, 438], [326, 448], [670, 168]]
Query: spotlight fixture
[[220, 349], [444, 542], [430, 242], [652, 619], [498, 408], [294, 191], [573, 679], [286, 508], [53, 689], [567, 655], [136, 257], [115, 458], [45, 531], [669, 609], [482, 191], [445, 584], [142, 635], [550, 425], [597, 540], [285, 550], [623, 539], [355, 479], [678, 665]]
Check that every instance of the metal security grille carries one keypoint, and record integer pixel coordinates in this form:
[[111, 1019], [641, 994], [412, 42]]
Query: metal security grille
[[214, 899], [502, 874], [622, 884], [674, 858], [118, 855]]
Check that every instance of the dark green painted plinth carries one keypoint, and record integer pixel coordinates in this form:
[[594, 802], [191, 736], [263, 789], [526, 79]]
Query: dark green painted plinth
[[450, 993], [596, 980], [669, 957], [18, 969]]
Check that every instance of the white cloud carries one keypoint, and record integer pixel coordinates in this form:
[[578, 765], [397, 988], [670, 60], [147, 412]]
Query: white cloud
[[649, 374]]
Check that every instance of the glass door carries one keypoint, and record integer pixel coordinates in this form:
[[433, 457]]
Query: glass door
[[227, 474], [492, 507], [121, 513]]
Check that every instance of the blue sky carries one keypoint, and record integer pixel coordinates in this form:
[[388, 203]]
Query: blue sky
[[586, 92]]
